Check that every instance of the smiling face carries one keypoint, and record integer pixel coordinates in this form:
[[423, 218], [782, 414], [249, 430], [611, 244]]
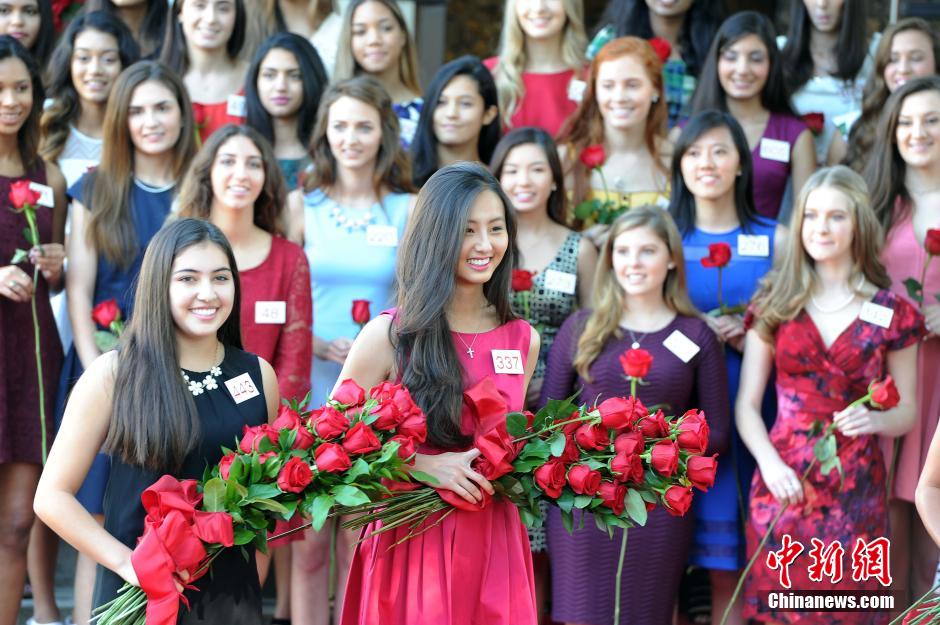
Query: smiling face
[[202, 291], [527, 178], [377, 38], [16, 95], [280, 85], [743, 68], [710, 165], [207, 24], [21, 20], [824, 15], [911, 57], [918, 130], [828, 227], [354, 132], [485, 241], [237, 174], [154, 118], [95, 65], [624, 92], [641, 261], [460, 113], [541, 19]]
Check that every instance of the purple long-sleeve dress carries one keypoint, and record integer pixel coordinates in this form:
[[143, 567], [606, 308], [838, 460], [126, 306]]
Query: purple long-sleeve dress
[[584, 564]]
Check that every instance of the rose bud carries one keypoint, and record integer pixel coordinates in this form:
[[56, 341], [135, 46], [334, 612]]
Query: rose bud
[[677, 500], [287, 419], [251, 436], [106, 313], [360, 311], [932, 241], [329, 422], [550, 477], [719, 255], [627, 468], [654, 425], [613, 496], [406, 447], [360, 439], [295, 476], [570, 426], [331, 458], [664, 457], [636, 363], [592, 436], [693, 434], [701, 471], [884, 394], [617, 413], [629, 443], [583, 479], [571, 453], [389, 416], [304, 439], [262, 458], [225, 465], [414, 426], [521, 280], [593, 156], [349, 394]]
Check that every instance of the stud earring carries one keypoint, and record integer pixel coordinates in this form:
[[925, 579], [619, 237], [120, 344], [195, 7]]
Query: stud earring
[[655, 98], [554, 187]]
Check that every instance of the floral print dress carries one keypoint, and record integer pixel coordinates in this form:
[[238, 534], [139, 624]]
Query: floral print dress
[[813, 382]]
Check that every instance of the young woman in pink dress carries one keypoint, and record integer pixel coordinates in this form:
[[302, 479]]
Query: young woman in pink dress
[[903, 174], [453, 277]]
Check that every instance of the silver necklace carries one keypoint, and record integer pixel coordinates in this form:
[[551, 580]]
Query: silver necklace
[[636, 341], [470, 346], [208, 383], [849, 300]]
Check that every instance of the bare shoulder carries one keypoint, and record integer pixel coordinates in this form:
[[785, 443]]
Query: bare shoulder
[[54, 177]]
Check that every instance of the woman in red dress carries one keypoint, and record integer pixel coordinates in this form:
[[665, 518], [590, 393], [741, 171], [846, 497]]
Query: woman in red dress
[[453, 310], [828, 323]]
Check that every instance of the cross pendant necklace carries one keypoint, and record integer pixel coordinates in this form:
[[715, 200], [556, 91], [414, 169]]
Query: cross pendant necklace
[[470, 346]]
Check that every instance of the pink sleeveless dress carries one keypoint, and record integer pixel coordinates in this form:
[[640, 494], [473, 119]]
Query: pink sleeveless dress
[[474, 568]]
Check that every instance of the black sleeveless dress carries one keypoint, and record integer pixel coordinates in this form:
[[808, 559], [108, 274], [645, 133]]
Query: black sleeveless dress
[[230, 593]]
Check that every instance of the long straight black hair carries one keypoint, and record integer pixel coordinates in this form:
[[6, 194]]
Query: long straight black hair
[[427, 259], [313, 78], [154, 423], [424, 144], [851, 47], [536, 136], [709, 93], [682, 202]]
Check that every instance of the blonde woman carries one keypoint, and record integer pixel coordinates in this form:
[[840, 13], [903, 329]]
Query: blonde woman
[[375, 42], [829, 325], [639, 301], [541, 59]]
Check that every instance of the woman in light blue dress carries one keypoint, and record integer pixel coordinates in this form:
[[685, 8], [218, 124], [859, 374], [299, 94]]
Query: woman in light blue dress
[[355, 208]]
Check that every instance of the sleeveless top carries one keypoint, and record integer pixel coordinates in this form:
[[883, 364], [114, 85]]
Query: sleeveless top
[[80, 154], [771, 175], [230, 593]]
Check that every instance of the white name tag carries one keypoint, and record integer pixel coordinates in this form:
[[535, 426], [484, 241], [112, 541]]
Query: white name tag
[[681, 345], [270, 312], [576, 89], [775, 150], [381, 236], [236, 105], [46, 197], [507, 361], [241, 388], [561, 281], [753, 245], [876, 314]]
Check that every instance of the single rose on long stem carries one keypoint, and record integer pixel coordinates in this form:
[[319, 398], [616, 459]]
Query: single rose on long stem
[[719, 255], [522, 282], [915, 288], [360, 313], [108, 315]]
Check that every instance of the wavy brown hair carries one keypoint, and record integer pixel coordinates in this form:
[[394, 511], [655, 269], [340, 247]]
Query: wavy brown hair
[[107, 190], [609, 299], [586, 126], [392, 169], [784, 292], [195, 197]]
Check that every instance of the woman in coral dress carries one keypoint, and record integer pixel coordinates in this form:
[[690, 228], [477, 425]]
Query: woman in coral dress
[[474, 566]]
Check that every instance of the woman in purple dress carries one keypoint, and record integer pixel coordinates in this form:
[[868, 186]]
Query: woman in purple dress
[[640, 301]]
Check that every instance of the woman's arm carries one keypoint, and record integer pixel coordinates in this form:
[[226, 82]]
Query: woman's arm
[[294, 350], [80, 282], [927, 495], [711, 390], [802, 161], [50, 257], [294, 228], [587, 264], [83, 430]]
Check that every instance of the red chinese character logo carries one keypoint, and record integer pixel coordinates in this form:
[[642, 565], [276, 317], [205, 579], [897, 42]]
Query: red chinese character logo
[[872, 560], [827, 561], [784, 557]]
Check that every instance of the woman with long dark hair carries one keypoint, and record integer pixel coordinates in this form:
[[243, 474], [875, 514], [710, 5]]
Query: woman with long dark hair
[[158, 405], [743, 75], [145, 18], [282, 94], [30, 23], [453, 309], [461, 124]]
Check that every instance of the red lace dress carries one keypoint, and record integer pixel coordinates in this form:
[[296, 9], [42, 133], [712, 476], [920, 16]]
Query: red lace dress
[[812, 383]]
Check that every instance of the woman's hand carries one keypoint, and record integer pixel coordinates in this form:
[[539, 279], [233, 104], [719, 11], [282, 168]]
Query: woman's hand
[[127, 572], [729, 328], [15, 284], [782, 481], [857, 421], [932, 320], [452, 471], [49, 257], [334, 351]]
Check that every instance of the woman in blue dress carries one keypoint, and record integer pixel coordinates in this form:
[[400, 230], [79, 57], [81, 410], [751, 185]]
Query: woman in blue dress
[[355, 209], [712, 204]]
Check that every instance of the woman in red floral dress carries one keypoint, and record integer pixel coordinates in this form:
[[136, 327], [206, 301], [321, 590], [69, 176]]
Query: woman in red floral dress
[[828, 323]]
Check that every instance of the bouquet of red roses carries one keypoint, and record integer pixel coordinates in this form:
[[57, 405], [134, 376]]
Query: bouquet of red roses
[[341, 454]]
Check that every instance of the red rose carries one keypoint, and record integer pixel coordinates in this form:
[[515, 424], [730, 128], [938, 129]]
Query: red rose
[[360, 439], [664, 457], [295, 476], [693, 432], [661, 47], [521, 280], [415, 427], [719, 255], [654, 425], [21, 195], [406, 447], [636, 363], [570, 425], [251, 436], [677, 500], [262, 458], [932, 242], [360, 311], [331, 458], [496, 453], [571, 453], [701, 471], [349, 394], [884, 394], [287, 418], [815, 122], [593, 156], [583, 479], [304, 439], [613, 496], [106, 313], [619, 413], [389, 416], [199, 115], [329, 423], [592, 436], [225, 465], [629, 443], [550, 477], [627, 468]]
